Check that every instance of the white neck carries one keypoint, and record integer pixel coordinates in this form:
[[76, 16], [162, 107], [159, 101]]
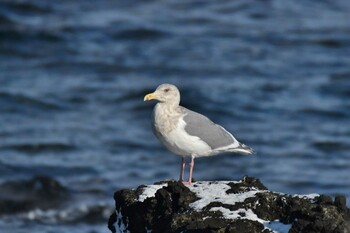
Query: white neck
[[168, 106]]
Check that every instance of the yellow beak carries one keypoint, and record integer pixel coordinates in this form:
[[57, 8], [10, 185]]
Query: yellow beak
[[150, 96]]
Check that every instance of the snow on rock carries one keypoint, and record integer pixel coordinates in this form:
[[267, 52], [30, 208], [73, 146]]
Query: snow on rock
[[307, 196], [121, 225], [225, 206], [150, 191], [209, 191]]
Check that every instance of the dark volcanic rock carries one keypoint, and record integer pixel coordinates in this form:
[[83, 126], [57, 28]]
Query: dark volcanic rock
[[39, 192], [245, 206]]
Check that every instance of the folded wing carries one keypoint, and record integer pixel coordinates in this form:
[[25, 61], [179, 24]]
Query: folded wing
[[212, 134]]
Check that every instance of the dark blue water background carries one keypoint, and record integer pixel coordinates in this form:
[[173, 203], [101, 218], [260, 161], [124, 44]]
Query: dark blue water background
[[276, 73]]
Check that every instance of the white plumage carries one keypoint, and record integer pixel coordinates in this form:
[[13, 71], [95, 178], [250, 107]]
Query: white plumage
[[187, 133]]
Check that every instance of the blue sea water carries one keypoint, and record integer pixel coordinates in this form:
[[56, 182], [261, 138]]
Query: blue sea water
[[275, 73]]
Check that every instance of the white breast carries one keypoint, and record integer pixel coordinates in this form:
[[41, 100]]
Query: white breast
[[184, 144], [169, 127]]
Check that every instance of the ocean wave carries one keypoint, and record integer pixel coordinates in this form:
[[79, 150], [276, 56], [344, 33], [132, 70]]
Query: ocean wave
[[318, 112], [329, 146], [91, 214], [39, 147], [18, 102], [38, 192], [34, 7], [140, 34]]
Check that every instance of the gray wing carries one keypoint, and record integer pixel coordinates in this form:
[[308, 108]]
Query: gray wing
[[201, 126]]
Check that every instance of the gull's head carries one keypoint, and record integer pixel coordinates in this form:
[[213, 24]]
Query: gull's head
[[165, 93]]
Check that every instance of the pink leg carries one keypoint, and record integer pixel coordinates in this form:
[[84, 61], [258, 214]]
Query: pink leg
[[191, 170], [182, 169]]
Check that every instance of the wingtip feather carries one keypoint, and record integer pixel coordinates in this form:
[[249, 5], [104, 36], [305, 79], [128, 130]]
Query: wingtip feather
[[245, 149]]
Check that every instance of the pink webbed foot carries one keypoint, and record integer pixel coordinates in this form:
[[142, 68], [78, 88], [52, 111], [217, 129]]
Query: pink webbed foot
[[186, 182]]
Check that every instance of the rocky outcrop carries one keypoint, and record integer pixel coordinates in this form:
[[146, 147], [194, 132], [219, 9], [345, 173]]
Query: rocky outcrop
[[222, 206], [40, 192]]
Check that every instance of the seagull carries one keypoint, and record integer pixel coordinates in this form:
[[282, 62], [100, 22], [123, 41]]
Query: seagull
[[187, 133]]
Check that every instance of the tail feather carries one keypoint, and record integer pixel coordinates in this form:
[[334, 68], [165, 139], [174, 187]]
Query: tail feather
[[244, 149]]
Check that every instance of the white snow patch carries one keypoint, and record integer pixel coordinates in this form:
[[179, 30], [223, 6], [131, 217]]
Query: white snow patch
[[239, 214], [150, 191], [119, 224], [307, 196], [216, 191]]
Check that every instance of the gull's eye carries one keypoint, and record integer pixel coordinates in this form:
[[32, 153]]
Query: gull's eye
[[167, 90]]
